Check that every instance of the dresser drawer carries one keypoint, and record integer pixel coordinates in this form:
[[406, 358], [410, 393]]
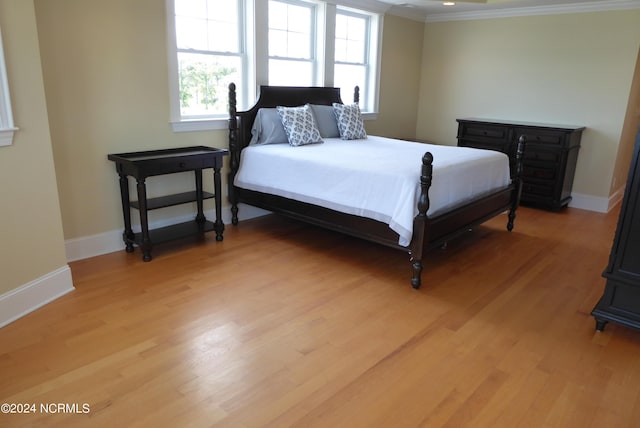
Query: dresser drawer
[[533, 153], [544, 171], [542, 189], [500, 146], [542, 136], [484, 132]]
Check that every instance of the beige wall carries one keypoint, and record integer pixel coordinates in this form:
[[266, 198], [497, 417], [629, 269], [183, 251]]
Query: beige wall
[[31, 227], [105, 73], [567, 69], [105, 70], [629, 130], [399, 78]]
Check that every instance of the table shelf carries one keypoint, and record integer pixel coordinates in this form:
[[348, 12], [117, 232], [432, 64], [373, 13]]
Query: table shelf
[[172, 200], [175, 231]]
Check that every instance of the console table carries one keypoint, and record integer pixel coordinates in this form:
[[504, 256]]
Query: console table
[[141, 165]]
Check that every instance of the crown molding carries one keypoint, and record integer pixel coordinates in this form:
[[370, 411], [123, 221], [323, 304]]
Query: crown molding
[[536, 10], [368, 5], [408, 12]]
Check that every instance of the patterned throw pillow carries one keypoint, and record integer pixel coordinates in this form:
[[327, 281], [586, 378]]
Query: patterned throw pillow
[[349, 121], [299, 125]]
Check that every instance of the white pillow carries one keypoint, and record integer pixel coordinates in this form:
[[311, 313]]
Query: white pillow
[[350, 122], [299, 124]]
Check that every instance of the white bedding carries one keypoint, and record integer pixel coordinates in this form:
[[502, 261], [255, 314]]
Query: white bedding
[[376, 178]]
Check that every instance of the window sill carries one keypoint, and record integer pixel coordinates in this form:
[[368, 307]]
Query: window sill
[[200, 125], [6, 136]]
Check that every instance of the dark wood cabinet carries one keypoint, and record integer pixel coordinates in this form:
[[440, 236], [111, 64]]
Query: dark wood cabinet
[[550, 155], [620, 301], [141, 165]]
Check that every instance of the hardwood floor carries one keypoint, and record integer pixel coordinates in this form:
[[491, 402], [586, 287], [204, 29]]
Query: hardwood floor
[[283, 324]]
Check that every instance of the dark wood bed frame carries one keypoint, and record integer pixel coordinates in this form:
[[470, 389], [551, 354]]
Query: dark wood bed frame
[[427, 232]]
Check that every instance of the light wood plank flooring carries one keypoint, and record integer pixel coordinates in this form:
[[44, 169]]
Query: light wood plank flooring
[[284, 324]]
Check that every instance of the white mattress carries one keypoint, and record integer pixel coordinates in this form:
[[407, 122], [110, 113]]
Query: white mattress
[[376, 178]]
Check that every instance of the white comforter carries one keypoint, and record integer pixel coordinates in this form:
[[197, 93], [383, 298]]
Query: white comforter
[[376, 178]]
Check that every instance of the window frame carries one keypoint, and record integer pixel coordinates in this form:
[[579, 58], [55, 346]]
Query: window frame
[[7, 127], [368, 94], [256, 66], [314, 41]]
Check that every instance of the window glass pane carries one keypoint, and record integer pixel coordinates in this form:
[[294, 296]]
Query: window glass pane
[[341, 26], [356, 28], [290, 73], [299, 46], [278, 15], [223, 37], [191, 33], [351, 35], [191, 8], [347, 77], [204, 81], [207, 25], [278, 43], [290, 30], [299, 18], [222, 10]]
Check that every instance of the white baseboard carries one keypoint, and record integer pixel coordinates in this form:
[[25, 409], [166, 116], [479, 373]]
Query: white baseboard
[[108, 242], [589, 203], [595, 203], [616, 197], [29, 297]]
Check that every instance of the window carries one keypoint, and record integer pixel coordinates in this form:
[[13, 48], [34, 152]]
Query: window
[[355, 46], [357, 55], [275, 42], [210, 54], [292, 35], [7, 128]]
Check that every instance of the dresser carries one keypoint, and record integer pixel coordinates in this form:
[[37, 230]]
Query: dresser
[[550, 155], [620, 301]]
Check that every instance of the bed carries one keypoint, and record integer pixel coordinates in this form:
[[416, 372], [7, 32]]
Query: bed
[[406, 195]]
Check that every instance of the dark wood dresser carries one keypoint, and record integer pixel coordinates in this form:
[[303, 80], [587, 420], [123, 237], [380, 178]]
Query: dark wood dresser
[[550, 155], [620, 301]]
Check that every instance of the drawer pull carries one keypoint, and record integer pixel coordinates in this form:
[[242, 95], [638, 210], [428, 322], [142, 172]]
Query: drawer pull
[[182, 165]]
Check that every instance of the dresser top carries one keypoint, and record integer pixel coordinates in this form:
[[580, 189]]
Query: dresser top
[[521, 123]]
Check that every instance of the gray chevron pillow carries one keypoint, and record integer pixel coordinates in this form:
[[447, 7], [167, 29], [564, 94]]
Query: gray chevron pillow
[[349, 121], [299, 124]]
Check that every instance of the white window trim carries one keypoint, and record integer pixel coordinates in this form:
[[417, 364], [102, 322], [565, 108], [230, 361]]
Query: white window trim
[[257, 50], [374, 50], [7, 128]]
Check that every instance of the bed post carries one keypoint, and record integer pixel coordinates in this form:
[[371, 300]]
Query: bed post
[[356, 95], [517, 179], [420, 221], [235, 152]]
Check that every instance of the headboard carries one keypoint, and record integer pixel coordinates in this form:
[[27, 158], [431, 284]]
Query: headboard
[[240, 122]]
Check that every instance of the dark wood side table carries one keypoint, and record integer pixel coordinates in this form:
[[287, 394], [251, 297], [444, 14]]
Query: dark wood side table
[[141, 165]]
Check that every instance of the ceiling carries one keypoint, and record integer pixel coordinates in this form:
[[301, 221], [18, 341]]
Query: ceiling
[[436, 10]]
